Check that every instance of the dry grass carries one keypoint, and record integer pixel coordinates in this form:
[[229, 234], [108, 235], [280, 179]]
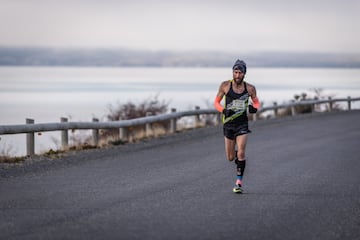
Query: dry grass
[[6, 153], [314, 94]]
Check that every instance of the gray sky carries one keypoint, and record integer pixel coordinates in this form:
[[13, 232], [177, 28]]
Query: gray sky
[[220, 25]]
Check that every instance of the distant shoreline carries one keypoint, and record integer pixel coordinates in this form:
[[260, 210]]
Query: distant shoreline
[[77, 57]]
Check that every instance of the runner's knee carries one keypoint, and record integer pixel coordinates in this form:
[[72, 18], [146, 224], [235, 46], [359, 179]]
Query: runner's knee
[[231, 157], [240, 155]]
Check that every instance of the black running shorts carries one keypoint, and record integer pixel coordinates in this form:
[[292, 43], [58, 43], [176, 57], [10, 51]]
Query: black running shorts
[[231, 131]]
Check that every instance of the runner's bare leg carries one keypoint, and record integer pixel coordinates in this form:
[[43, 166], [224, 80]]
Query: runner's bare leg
[[230, 149], [241, 141]]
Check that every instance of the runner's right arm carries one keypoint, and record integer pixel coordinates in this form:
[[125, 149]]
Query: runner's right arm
[[219, 97], [255, 101]]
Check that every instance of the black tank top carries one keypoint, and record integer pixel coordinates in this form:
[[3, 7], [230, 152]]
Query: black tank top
[[238, 103]]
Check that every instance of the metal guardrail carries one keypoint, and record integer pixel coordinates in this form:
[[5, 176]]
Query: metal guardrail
[[30, 128], [311, 103], [45, 127]]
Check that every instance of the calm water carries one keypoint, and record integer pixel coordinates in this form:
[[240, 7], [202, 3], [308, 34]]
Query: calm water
[[46, 94]]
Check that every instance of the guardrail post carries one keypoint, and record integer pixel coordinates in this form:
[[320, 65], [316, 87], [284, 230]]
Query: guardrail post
[[148, 126], [197, 117], [275, 109], [218, 118], [349, 103], [64, 135], [95, 133], [30, 140], [330, 104], [312, 107], [173, 122], [123, 132], [255, 116]]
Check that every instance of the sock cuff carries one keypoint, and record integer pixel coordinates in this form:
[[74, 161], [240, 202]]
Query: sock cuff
[[240, 163]]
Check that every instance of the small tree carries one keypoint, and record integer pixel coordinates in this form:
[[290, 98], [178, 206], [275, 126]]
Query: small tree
[[130, 110]]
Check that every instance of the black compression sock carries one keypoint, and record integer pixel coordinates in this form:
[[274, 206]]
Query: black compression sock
[[240, 166]]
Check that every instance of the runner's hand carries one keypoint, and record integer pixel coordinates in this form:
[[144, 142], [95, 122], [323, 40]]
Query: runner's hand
[[252, 109]]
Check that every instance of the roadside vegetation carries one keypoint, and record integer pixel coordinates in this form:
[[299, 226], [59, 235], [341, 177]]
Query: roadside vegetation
[[149, 107], [7, 152], [312, 94]]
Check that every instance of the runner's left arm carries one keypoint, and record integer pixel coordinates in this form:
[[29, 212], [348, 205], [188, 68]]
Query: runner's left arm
[[254, 99], [218, 98], [256, 102]]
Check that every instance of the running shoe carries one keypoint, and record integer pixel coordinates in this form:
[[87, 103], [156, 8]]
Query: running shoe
[[237, 188]]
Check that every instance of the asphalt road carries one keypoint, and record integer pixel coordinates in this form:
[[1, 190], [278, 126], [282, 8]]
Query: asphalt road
[[302, 181]]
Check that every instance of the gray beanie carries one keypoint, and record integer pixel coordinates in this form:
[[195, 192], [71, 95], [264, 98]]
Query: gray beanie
[[240, 65]]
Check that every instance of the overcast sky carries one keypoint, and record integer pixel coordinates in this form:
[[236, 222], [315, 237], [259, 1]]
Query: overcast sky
[[220, 25]]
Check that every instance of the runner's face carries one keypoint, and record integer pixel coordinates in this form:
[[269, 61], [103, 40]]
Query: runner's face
[[238, 76]]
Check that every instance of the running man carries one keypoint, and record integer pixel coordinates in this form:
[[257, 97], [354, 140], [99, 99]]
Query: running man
[[235, 120]]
